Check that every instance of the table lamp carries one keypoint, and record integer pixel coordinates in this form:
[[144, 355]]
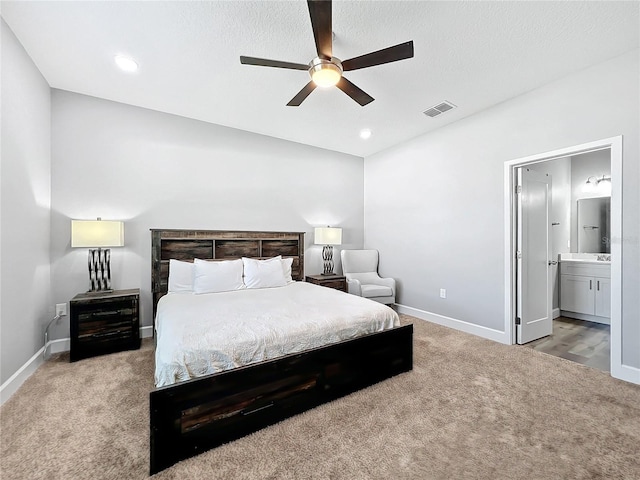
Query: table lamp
[[96, 234], [328, 236]]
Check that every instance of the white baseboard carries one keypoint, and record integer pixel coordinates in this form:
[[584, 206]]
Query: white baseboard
[[480, 331], [588, 318], [625, 372], [12, 384], [146, 332], [555, 313], [59, 345]]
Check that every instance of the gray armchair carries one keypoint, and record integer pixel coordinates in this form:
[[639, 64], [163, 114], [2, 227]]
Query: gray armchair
[[360, 267]]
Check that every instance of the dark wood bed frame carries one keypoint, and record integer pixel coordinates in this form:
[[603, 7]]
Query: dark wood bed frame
[[191, 417]]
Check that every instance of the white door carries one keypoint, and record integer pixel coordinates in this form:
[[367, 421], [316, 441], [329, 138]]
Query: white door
[[533, 265]]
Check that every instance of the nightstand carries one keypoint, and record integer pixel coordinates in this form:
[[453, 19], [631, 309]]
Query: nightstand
[[104, 322], [339, 282]]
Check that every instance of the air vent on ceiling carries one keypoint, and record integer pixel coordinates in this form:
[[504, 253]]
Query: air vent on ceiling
[[438, 109]]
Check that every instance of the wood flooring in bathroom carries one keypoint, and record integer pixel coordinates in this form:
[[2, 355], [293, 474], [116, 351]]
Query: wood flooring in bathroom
[[580, 341]]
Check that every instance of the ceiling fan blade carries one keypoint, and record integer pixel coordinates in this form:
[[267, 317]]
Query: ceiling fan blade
[[354, 92], [263, 62], [302, 94], [320, 13], [386, 55]]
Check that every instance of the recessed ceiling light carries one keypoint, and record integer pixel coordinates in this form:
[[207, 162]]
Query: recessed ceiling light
[[365, 133], [126, 63]]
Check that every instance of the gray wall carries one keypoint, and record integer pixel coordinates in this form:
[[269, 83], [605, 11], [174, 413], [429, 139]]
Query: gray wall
[[25, 175], [155, 170], [434, 205]]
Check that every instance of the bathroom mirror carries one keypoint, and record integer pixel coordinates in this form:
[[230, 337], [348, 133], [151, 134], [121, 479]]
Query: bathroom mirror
[[594, 225]]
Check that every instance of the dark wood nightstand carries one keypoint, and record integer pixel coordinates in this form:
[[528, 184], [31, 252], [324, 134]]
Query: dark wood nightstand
[[104, 323], [339, 282]]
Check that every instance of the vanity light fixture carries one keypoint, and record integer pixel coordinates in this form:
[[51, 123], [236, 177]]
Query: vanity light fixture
[[96, 234], [594, 183], [125, 63], [594, 180]]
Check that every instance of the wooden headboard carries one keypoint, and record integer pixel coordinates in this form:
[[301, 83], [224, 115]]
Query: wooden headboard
[[219, 245]]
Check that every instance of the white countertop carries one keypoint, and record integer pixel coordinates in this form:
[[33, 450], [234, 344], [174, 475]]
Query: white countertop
[[596, 258]]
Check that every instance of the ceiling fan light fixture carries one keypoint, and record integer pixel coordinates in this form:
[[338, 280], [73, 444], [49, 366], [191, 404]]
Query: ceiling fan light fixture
[[325, 73]]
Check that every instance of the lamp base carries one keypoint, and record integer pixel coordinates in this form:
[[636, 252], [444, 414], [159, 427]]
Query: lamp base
[[327, 256], [100, 270]]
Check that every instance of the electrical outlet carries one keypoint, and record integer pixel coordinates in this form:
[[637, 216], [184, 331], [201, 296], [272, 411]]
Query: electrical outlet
[[61, 309], [443, 293]]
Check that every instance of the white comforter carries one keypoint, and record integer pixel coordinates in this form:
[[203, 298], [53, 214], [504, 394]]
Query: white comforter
[[202, 334]]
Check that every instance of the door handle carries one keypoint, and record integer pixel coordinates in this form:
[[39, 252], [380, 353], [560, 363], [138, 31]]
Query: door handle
[[598, 285], [552, 262], [590, 284]]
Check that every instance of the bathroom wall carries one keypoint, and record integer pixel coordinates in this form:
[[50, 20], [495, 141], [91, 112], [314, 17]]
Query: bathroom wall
[[582, 167], [568, 185]]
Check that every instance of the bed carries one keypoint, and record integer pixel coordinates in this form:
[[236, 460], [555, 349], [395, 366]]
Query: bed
[[316, 352]]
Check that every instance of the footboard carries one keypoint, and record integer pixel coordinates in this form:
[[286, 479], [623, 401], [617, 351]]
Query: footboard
[[194, 416]]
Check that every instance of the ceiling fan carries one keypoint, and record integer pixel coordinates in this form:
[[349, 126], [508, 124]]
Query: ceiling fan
[[325, 69]]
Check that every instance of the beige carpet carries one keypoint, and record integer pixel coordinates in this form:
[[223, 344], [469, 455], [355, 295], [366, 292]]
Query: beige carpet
[[471, 408]]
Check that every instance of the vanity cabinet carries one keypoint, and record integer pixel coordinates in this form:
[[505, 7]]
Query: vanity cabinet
[[585, 291], [603, 297]]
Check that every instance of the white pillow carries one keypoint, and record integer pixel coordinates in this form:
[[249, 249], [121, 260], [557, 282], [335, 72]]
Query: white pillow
[[180, 276], [286, 265], [217, 276], [264, 273]]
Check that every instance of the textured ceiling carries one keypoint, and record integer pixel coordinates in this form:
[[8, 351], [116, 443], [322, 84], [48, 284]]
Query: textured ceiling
[[473, 54]]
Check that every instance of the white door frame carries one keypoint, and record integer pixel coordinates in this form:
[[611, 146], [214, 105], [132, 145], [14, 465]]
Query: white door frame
[[615, 146]]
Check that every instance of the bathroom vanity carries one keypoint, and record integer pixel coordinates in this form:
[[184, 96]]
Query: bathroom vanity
[[585, 286]]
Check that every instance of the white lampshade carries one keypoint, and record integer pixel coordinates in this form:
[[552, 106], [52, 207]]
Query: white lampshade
[[328, 236], [97, 233]]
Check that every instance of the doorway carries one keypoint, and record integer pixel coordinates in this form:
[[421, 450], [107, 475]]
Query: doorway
[[614, 146], [580, 341]]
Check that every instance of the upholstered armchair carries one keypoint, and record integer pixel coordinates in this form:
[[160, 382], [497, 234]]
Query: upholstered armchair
[[360, 267]]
